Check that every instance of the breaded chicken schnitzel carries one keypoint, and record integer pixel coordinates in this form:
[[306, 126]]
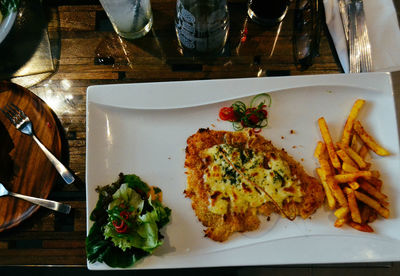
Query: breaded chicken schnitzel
[[234, 176]]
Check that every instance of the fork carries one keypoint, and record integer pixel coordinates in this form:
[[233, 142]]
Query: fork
[[22, 122], [50, 204]]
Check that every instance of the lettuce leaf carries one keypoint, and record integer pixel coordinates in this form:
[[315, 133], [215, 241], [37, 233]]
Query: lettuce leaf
[[126, 195], [136, 183]]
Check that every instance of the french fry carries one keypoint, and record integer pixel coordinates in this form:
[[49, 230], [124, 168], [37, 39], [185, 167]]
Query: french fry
[[336, 191], [365, 212], [342, 212], [384, 212], [339, 222], [325, 166], [354, 185], [345, 158], [350, 177], [328, 192], [319, 149], [354, 156], [328, 142], [372, 191], [376, 182], [350, 186], [363, 151], [376, 174], [369, 141], [350, 121], [361, 227], [354, 211], [373, 215], [346, 167], [353, 142], [333, 185]]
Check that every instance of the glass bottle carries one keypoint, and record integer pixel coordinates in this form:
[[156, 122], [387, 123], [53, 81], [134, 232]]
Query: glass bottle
[[202, 26]]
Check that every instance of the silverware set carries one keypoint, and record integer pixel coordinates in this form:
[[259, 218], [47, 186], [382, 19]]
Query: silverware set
[[22, 122], [356, 33]]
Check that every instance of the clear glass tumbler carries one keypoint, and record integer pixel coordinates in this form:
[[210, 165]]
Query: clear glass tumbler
[[267, 12], [130, 18], [202, 26]]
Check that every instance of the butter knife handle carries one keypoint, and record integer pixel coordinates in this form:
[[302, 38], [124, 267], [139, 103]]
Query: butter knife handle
[[50, 204], [62, 170]]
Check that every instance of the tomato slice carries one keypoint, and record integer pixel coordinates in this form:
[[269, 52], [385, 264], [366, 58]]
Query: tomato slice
[[227, 114]]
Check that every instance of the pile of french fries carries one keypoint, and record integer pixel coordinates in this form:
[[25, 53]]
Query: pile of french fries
[[351, 188]]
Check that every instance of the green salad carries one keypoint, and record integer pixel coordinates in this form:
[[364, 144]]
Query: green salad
[[127, 220]]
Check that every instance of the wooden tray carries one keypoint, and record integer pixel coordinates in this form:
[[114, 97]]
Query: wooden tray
[[23, 166]]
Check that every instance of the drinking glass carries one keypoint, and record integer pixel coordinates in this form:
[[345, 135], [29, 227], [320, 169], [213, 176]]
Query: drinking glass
[[268, 12], [130, 18]]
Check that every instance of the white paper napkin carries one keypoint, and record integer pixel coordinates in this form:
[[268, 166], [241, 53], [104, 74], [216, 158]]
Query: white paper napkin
[[383, 31]]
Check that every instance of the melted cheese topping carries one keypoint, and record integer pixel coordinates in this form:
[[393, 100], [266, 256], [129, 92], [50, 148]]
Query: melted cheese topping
[[237, 188]]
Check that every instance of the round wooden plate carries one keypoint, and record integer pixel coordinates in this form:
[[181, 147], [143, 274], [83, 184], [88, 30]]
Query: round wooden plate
[[24, 168]]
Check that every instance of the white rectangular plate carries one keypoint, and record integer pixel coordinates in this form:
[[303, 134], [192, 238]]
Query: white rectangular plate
[[142, 129]]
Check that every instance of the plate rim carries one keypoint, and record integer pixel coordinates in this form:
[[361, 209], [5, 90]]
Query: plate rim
[[6, 25]]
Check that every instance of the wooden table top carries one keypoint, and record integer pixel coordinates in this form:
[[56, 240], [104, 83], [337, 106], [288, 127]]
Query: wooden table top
[[82, 37]]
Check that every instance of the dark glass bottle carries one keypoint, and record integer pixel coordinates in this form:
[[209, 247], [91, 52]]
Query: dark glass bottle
[[267, 12], [202, 26]]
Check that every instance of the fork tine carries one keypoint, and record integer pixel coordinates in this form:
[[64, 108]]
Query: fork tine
[[10, 114], [9, 117], [13, 113], [21, 113], [19, 110], [18, 114]]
